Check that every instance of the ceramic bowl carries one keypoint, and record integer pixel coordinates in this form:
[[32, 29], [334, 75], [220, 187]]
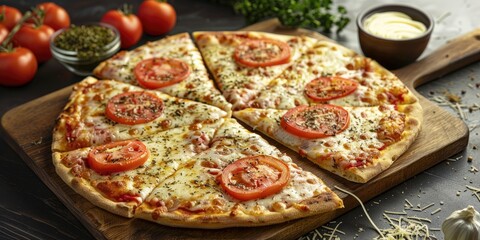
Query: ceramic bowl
[[391, 53]]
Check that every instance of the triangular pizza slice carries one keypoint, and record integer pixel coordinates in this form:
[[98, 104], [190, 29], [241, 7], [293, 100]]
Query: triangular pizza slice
[[243, 63], [330, 73], [241, 180], [103, 111], [172, 65], [119, 175], [356, 143]]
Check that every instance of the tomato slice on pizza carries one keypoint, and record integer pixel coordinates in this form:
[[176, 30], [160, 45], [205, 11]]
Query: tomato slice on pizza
[[118, 156], [262, 53], [327, 88], [317, 121], [134, 108], [156, 73], [254, 177]]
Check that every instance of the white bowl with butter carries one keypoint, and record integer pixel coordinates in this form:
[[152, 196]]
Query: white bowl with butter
[[394, 35]]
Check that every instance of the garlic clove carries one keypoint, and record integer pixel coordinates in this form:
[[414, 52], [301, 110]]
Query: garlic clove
[[462, 224]]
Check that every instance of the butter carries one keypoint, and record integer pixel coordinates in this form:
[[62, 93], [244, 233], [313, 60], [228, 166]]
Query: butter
[[393, 25]]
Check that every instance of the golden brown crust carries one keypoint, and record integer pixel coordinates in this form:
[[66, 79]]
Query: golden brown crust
[[86, 190], [322, 203]]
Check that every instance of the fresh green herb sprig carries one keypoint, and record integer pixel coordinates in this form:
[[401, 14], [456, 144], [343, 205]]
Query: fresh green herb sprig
[[316, 14], [88, 41]]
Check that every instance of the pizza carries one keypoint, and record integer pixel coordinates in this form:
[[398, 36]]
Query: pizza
[[158, 139], [172, 65], [100, 112], [356, 143], [330, 73], [201, 174], [217, 188], [243, 63]]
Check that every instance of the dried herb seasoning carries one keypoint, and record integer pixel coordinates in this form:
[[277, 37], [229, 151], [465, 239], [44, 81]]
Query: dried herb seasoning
[[89, 41]]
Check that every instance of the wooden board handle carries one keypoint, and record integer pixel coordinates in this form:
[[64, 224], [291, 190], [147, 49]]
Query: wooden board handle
[[456, 54]]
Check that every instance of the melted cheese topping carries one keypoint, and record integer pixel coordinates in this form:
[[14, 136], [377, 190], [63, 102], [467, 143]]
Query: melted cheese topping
[[91, 127], [330, 59], [196, 189], [168, 151], [238, 83], [358, 141]]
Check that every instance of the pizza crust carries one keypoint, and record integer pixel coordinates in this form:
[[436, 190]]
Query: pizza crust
[[267, 121], [326, 202], [86, 190]]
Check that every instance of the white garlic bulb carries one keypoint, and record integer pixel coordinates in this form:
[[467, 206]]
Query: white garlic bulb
[[462, 224]]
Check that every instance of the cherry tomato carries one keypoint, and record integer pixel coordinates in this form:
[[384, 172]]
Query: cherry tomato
[[3, 33], [9, 16], [254, 177], [118, 156], [17, 67], [327, 88], [37, 39], [155, 73], [157, 17], [55, 16], [134, 108], [316, 121], [128, 25], [262, 53]]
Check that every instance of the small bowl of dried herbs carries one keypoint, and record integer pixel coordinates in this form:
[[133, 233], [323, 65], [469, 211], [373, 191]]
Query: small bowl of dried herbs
[[81, 48]]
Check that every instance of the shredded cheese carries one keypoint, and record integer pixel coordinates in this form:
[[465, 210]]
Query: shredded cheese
[[363, 207]]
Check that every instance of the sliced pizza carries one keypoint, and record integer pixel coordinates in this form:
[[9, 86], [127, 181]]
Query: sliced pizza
[[172, 65], [241, 180], [330, 73], [118, 176], [100, 112], [356, 143], [243, 63]]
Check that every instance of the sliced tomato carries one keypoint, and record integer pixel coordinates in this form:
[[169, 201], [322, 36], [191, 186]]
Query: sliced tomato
[[134, 108], [327, 88], [160, 72], [118, 156], [316, 121], [254, 177], [262, 53]]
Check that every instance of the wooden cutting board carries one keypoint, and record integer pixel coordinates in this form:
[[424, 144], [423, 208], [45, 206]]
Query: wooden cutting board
[[29, 128]]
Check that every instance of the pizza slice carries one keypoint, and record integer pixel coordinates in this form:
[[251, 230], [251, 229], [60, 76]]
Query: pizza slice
[[330, 73], [99, 112], [243, 63], [241, 180], [172, 65], [356, 143], [118, 176]]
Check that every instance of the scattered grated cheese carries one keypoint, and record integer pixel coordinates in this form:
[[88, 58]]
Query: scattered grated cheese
[[460, 111], [429, 205], [395, 213], [404, 228], [475, 191], [334, 229], [333, 232], [409, 203], [363, 207], [436, 211], [443, 16], [420, 219]]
